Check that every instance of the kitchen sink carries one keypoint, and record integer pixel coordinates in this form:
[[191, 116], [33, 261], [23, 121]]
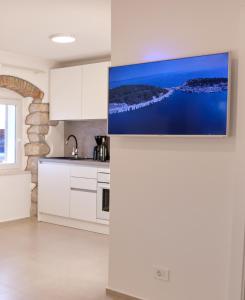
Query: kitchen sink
[[69, 158]]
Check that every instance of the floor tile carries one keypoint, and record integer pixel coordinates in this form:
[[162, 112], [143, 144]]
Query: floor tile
[[44, 261]]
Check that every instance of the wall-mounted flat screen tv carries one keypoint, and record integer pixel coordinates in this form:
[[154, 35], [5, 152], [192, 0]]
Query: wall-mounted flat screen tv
[[187, 96]]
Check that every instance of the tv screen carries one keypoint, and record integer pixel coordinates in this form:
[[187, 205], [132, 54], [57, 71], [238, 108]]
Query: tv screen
[[187, 96]]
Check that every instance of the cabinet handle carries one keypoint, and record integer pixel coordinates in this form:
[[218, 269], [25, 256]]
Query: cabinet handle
[[83, 190]]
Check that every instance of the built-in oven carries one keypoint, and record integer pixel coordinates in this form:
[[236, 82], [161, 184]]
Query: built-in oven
[[103, 196]]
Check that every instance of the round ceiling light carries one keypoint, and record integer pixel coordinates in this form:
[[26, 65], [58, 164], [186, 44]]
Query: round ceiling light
[[62, 38]]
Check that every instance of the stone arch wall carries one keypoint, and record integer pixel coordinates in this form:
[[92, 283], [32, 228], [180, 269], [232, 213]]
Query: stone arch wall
[[38, 121]]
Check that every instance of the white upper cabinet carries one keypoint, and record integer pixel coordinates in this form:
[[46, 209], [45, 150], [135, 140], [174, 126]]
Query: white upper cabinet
[[95, 90], [66, 93], [80, 92]]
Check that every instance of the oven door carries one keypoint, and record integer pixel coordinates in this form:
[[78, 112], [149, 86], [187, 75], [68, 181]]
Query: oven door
[[103, 201]]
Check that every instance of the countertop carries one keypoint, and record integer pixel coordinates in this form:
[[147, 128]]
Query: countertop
[[84, 162]]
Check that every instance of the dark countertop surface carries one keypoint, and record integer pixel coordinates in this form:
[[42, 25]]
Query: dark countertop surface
[[83, 162]]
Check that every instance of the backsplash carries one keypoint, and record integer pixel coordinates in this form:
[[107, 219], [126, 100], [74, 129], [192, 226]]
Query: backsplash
[[84, 132]]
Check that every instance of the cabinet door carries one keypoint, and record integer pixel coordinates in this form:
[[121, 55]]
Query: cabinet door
[[66, 93], [95, 90], [83, 205], [53, 189]]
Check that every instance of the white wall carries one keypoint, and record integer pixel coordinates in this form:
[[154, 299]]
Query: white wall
[[238, 196], [173, 200], [15, 203]]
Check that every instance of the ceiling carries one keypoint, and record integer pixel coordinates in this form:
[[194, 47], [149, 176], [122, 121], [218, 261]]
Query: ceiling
[[25, 27]]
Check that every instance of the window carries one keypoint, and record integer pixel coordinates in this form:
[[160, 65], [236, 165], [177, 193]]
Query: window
[[10, 133]]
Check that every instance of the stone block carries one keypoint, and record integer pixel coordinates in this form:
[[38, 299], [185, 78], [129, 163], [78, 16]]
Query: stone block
[[32, 164], [34, 195], [43, 129], [34, 178], [38, 107], [36, 149], [37, 118], [37, 100], [36, 138], [33, 209]]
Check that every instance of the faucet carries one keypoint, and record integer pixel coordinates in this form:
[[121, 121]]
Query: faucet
[[74, 149]]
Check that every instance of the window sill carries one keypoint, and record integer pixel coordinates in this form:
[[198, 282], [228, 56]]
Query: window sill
[[13, 172]]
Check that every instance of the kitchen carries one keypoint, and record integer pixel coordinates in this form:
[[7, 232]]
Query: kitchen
[[74, 190]]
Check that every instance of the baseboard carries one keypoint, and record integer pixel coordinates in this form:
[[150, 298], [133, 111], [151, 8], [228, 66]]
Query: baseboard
[[15, 219], [89, 226], [120, 295]]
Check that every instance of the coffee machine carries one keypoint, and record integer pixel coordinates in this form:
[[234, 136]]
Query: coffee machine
[[101, 151]]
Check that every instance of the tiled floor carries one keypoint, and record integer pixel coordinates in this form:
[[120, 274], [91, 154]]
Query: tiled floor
[[40, 261]]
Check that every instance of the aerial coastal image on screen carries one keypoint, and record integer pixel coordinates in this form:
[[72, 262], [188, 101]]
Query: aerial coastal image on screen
[[182, 96]]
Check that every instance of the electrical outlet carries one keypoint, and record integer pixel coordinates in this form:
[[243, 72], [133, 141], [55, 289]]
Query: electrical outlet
[[161, 273]]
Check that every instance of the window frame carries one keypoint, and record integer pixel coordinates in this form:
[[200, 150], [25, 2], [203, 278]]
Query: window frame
[[18, 133]]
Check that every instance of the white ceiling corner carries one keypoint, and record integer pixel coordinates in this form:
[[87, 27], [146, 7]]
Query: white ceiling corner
[[25, 27]]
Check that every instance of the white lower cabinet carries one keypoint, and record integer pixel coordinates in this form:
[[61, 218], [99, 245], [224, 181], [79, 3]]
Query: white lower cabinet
[[83, 183], [54, 189], [83, 205], [67, 195]]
